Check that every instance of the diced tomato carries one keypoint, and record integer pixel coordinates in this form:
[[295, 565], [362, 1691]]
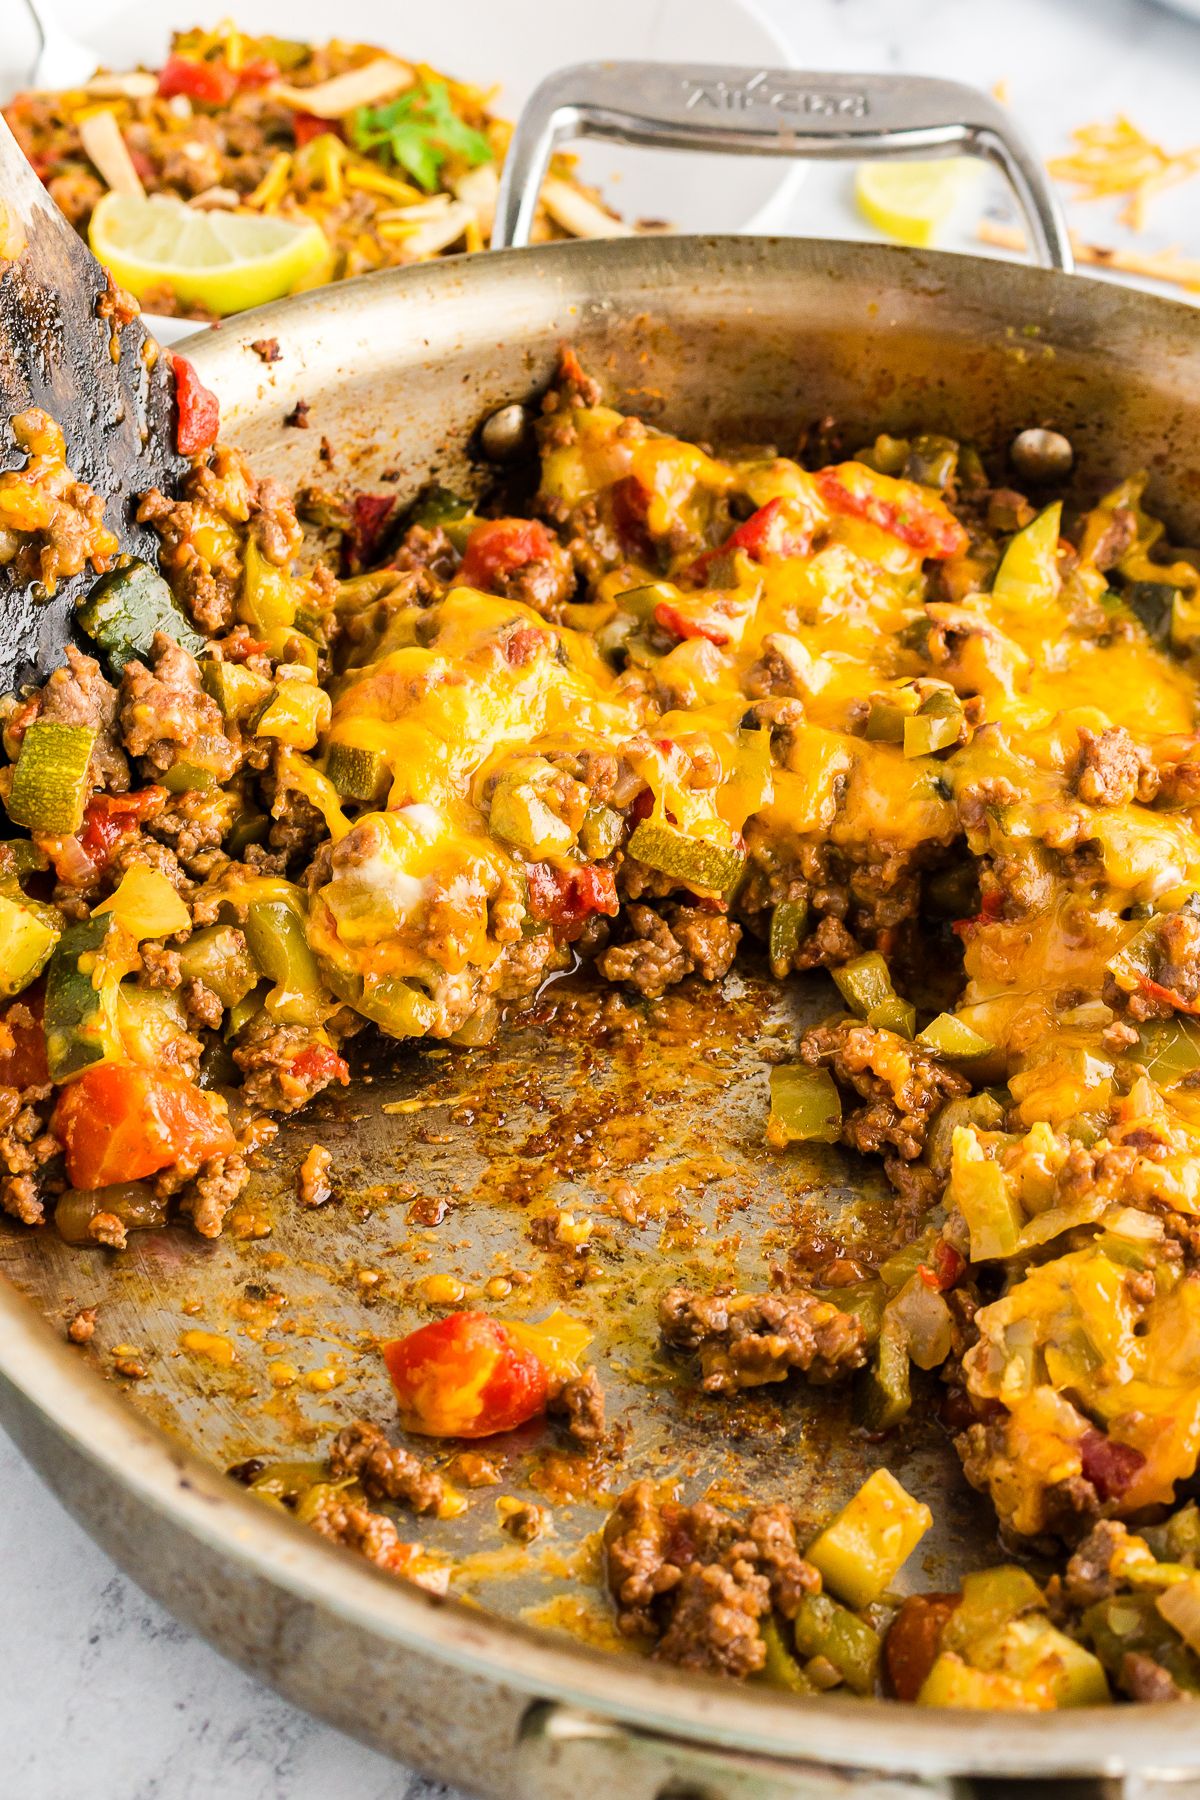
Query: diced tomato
[[120, 1122], [464, 1376], [240, 645], [990, 908], [209, 83], [320, 1063], [629, 500], [257, 72], [142, 164], [501, 546], [370, 513], [109, 817], [1154, 990], [770, 531], [23, 1046], [199, 410], [523, 645], [897, 507], [566, 897], [1110, 1466], [946, 1268], [914, 1640], [684, 625], [307, 126]]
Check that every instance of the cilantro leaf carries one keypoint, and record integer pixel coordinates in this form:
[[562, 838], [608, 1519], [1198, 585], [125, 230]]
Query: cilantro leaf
[[419, 131]]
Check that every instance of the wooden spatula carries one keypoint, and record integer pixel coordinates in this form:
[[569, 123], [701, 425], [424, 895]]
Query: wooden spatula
[[117, 413]]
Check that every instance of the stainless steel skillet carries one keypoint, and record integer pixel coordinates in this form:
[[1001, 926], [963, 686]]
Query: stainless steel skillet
[[743, 340]]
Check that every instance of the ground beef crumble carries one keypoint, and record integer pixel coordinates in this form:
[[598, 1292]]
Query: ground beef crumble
[[385, 1471], [700, 1581], [901, 1086], [25, 1147], [1112, 770], [82, 1327], [665, 947], [366, 1532], [166, 716], [747, 1340], [579, 1405]]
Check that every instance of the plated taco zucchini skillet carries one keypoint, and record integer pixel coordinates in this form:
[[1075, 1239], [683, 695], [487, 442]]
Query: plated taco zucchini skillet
[[874, 709]]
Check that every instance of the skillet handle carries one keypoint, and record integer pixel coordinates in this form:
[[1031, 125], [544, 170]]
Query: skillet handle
[[771, 112], [563, 1753]]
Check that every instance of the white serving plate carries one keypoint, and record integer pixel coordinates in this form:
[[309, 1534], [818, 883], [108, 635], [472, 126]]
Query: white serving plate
[[508, 44]]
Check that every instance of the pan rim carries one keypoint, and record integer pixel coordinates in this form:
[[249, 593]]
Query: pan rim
[[197, 1501], [194, 1497]]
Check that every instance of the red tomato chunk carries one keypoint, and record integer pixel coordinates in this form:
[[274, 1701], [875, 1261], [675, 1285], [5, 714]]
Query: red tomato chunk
[[121, 1123], [464, 1376], [199, 411]]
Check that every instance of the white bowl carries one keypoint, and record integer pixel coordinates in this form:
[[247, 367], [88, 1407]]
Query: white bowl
[[508, 44]]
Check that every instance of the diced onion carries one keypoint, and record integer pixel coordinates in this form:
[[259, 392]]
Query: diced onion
[[101, 138], [578, 214], [382, 77]]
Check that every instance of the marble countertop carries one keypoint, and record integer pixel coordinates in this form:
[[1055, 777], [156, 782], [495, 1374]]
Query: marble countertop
[[95, 1680]]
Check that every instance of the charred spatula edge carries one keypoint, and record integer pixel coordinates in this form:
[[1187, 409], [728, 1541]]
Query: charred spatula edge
[[117, 413]]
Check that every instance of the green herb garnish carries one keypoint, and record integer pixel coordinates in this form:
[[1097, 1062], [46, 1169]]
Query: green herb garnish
[[419, 131]]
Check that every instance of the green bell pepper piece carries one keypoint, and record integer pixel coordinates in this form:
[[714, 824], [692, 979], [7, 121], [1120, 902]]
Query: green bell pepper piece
[[189, 778], [218, 956], [864, 982], [936, 726], [805, 1106], [600, 832], [268, 603], [781, 1670], [440, 506], [931, 460], [990, 1598], [397, 1008], [789, 921], [275, 935], [949, 1037], [823, 1628], [238, 691], [1028, 568], [883, 1392], [1168, 1049]]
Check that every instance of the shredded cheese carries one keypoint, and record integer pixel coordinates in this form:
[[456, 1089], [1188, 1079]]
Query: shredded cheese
[[379, 79], [105, 147], [1156, 265], [1118, 159], [578, 213]]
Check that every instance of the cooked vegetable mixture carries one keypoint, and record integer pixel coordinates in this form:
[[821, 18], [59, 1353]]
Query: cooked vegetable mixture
[[394, 161], [879, 716]]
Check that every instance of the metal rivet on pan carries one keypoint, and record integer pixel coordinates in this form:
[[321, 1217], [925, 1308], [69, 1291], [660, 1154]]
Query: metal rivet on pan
[[504, 433], [1041, 455]]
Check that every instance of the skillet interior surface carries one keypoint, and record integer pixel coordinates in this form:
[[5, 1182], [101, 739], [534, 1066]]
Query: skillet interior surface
[[647, 1128]]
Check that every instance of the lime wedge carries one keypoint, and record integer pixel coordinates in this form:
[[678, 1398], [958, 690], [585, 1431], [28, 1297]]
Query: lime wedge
[[909, 200], [224, 261]]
